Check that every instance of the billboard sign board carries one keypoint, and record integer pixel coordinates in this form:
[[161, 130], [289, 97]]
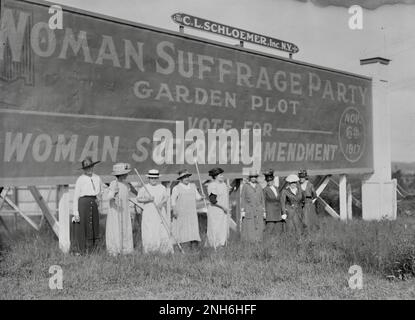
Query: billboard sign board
[[122, 92]]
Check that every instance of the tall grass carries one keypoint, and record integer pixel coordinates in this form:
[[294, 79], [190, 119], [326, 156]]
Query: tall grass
[[314, 265]]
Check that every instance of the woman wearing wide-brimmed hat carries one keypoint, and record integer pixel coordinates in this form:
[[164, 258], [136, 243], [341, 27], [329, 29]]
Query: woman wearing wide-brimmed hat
[[252, 209], [310, 216], [118, 231], [88, 190], [155, 229], [185, 225], [292, 199], [217, 219]]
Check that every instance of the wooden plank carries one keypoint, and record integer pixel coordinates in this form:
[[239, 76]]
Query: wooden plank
[[329, 209], [64, 218], [3, 195], [30, 221], [356, 202], [349, 202], [5, 226], [45, 209], [343, 197], [320, 188]]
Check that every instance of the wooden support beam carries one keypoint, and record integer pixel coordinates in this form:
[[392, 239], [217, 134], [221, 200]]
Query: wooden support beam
[[329, 209], [356, 202], [16, 201], [349, 202], [343, 197], [320, 188], [3, 194], [16, 208], [64, 218], [5, 225], [45, 209]]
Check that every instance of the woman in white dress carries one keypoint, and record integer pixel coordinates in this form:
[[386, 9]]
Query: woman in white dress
[[185, 225], [155, 222], [217, 226], [118, 232]]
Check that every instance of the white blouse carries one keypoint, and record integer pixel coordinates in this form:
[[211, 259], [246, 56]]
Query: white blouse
[[86, 186]]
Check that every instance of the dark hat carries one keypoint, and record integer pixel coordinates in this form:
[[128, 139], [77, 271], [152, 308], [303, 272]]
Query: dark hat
[[183, 174], [87, 163], [302, 173], [269, 175], [269, 178], [215, 171]]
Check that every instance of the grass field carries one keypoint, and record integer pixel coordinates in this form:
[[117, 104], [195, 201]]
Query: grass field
[[282, 267]]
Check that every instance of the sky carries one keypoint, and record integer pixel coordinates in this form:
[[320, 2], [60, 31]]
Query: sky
[[320, 28]]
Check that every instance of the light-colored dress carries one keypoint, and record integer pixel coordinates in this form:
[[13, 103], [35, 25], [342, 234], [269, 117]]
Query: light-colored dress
[[186, 226], [118, 232], [155, 230], [217, 224]]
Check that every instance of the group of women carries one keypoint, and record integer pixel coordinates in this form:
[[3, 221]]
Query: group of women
[[266, 209]]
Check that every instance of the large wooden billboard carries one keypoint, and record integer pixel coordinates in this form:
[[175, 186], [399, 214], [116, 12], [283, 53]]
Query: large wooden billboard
[[115, 90]]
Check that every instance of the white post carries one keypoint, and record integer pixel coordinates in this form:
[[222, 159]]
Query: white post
[[378, 190], [343, 197], [349, 202], [64, 221]]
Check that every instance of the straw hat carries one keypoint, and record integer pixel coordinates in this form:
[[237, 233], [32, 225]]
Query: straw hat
[[183, 174], [121, 168], [153, 173], [87, 163], [253, 173], [292, 178]]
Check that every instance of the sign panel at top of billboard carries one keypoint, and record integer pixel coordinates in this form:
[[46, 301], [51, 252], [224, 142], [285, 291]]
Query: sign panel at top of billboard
[[232, 32], [121, 92]]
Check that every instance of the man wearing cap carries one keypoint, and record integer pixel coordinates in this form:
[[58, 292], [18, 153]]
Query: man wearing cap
[[310, 216], [274, 223], [118, 231], [217, 215], [185, 225], [155, 223], [292, 199], [88, 190], [252, 209]]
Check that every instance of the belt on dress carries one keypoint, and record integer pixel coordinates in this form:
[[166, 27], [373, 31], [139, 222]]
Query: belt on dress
[[89, 197]]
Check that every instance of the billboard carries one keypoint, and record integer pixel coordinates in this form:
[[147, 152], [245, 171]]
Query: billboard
[[119, 91]]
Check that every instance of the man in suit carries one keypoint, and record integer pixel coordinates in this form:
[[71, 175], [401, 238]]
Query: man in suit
[[274, 223]]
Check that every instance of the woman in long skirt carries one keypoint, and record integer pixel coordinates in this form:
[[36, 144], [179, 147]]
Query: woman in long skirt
[[85, 226], [252, 210], [310, 215], [185, 225], [217, 224], [155, 222], [291, 205], [118, 231]]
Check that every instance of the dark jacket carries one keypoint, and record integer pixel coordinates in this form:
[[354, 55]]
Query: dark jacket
[[272, 204]]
